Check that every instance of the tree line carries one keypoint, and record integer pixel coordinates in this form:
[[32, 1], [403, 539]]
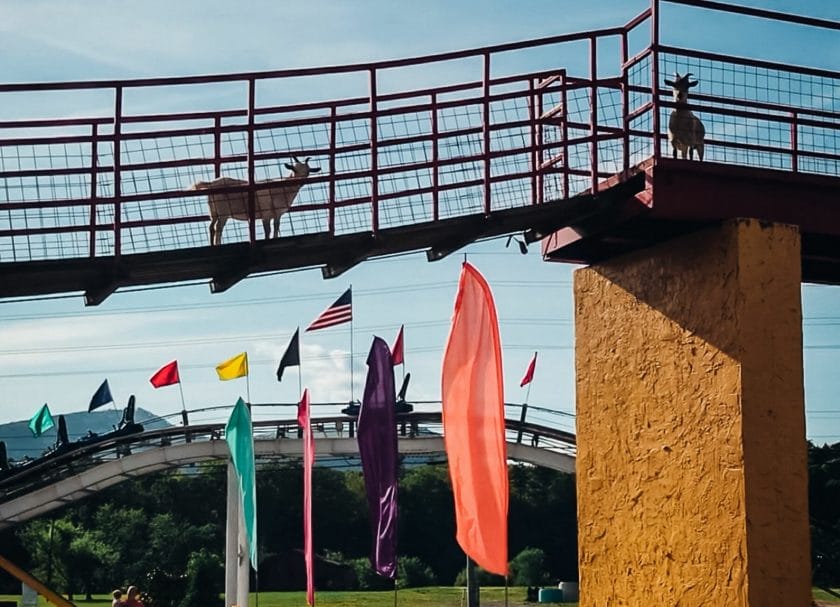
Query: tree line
[[157, 531], [165, 532]]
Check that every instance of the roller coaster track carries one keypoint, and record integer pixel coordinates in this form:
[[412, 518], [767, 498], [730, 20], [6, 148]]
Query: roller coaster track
[[91, 468]]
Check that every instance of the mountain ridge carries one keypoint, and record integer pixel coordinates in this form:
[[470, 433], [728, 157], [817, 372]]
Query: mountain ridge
[[21, 444]]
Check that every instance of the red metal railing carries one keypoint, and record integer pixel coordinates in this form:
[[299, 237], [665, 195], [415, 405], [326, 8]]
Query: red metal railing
[[494, 135]]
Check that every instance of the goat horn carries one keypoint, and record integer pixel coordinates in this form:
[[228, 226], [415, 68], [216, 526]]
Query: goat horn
[[295, 158], [307, 160]]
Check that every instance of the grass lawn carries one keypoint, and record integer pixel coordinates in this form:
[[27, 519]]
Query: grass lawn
[[443, 596], [831, 597]]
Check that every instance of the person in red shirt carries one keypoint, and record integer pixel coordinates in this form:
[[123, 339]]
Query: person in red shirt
[[133, 599]]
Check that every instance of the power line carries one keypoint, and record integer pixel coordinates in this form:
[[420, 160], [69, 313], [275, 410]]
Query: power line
[[174, 343], [255, 362], [274, 300]]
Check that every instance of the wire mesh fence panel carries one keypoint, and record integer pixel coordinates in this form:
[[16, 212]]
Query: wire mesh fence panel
[[762, 115]]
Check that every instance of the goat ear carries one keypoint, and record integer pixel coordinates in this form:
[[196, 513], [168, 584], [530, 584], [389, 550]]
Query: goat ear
[[669, 83], [693, 84], [314, 169], [288, 166]]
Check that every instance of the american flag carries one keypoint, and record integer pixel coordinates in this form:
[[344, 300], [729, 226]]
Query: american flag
[[340, 312]]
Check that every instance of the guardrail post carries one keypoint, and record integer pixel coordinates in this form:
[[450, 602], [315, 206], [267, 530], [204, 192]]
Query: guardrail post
[[331, 184], [536, 149], [94, 163], [252, 213], [486, 132], [625, 101], [564, 133], [118, 103], [374, 154], [435, 160], [593, 109], [654, 75], [217, 146], [521, 422]]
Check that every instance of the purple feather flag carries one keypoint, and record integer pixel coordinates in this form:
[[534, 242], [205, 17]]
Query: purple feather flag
[[377, 436]]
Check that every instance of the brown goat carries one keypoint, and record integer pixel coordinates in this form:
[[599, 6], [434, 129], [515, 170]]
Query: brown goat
[[269, 203]]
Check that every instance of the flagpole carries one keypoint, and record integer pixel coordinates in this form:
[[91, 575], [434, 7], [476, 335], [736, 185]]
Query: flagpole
[[300, 372], [183, 402], [114, 404], [351, 346], [300, 382]]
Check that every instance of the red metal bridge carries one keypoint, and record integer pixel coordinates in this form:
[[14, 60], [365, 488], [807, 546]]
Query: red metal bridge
[[562, 138]]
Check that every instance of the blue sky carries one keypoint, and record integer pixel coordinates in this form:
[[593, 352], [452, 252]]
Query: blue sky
[[59, 351]]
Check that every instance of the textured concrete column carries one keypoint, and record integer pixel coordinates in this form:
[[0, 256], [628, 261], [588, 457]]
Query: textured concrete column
[[691, 466]]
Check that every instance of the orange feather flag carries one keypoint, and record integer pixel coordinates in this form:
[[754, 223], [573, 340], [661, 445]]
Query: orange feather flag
[[474, 423]]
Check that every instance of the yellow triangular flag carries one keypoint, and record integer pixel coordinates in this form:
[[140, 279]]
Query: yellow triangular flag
[[233, 367]]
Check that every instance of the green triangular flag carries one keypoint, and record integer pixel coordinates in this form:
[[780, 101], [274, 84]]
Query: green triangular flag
[[41, 421]]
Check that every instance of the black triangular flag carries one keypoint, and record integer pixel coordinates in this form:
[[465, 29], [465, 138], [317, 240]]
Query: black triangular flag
[[291, 357], [101, 397]]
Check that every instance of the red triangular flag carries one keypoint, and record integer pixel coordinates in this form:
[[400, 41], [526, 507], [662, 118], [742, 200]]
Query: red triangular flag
[[529, 374], [397, 348], [166, 375]]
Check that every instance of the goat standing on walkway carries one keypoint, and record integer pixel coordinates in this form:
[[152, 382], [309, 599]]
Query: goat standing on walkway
[[269, 203], [685, 131]]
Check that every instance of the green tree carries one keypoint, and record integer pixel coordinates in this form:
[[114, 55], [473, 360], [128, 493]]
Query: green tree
[[528, 568], [824, 495], [86, 556], [65, 554], [205, 575], [427, 521], [482, 577], [414, 573], [543, 514], [48, 541], [171, 541], [124, 531], [367, 578]]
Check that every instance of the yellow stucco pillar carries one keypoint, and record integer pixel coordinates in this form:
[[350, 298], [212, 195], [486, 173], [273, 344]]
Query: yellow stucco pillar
[[691, 461]]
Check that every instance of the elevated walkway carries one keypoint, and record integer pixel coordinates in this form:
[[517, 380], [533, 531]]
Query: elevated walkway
[[104, 201]]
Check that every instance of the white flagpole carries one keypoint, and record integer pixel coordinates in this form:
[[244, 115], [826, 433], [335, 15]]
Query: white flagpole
[[351, 344]]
